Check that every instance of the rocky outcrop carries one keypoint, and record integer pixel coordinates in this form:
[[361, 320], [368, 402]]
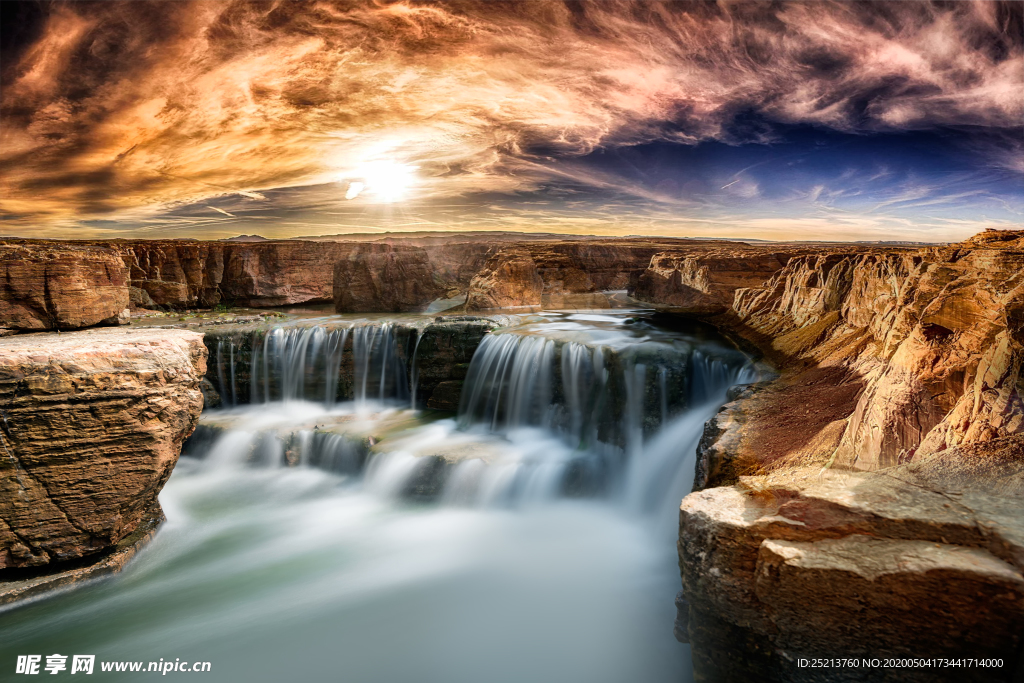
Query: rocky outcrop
[[50, 286], [92, 424], [851, 565], [704, 281], [548, 273], [935, 335], [443, 351], [385, 278], [884, 518]]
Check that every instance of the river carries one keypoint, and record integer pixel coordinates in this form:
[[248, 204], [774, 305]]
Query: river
[[546, 555]]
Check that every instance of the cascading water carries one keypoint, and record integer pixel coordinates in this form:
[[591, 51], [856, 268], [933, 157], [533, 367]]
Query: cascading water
[[298, 546]]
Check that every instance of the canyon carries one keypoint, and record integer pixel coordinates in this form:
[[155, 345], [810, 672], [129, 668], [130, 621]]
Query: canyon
[[856, 501]]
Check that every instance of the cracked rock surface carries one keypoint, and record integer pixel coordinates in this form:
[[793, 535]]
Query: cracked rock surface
[[851, 564], [92, 424]]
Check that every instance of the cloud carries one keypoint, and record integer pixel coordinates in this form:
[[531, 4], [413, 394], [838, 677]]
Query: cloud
[[125, 110]]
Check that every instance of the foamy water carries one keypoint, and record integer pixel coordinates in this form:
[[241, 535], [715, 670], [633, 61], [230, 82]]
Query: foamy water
[[296, 573]]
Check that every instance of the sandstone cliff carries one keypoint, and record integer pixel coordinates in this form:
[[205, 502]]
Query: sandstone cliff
[[544, 273], [931, 337], [92, 424], [904, 364], [50, 286], [704, 280]]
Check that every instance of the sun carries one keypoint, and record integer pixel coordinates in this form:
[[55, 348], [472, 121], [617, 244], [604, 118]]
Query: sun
[[389, 181]]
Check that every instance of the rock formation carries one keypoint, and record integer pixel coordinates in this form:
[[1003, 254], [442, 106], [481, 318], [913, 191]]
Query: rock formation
[[385, 278], [704, 280], [902, 364], [49, 286], [92, 424], [851, 565], [544, 273], [932, 336]]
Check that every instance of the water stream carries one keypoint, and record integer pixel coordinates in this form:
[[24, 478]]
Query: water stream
[[530, 538]]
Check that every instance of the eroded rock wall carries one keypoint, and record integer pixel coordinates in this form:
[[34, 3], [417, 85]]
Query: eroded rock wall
[[92, 425], [50, 286], [867, 503], [704, 281], [545, 273], [935, 334]]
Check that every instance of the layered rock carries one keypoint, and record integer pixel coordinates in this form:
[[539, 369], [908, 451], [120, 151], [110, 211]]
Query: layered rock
[[851, 565], [50, 286], [546, 273], [385, 278], [904, 361], [190, 273], [93, 423], [934, 334], [704, 281]]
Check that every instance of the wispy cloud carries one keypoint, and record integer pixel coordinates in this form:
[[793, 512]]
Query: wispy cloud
[[124, 111]]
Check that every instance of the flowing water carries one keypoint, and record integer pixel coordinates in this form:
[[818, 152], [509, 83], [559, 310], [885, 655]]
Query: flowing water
[[542, 550]]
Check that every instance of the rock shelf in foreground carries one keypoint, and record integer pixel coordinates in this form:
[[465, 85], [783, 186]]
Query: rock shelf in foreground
[[92, 425], [850, 564]]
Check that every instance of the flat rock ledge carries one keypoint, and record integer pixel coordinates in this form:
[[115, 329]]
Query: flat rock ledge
[[91, 425], [826, 564]]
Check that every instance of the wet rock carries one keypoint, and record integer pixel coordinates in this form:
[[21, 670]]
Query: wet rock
[[49, 286], [92, 425], [444, 349], [446, 396], [24, 584]]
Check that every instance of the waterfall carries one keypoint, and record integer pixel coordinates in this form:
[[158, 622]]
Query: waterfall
[[509, 382], [415, 372], [585, 418], [379, 371], [542, 414], [305, 364]]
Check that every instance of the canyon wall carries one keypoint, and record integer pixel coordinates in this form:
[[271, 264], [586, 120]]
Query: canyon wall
[[92, 425], [933, 335], [59, 287], [867, 502], [550, 273], [704, 281], [80, 284]]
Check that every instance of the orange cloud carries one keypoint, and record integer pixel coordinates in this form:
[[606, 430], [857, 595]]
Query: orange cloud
[[126, 110]]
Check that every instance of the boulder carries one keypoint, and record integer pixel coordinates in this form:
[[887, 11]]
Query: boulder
[[805, 565], [93, 422]]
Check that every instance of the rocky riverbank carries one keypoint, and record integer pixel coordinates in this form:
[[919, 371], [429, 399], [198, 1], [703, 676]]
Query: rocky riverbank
[[823, 527], [92, 425]]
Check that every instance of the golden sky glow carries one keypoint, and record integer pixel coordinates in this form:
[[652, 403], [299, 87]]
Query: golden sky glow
[[214, 118]]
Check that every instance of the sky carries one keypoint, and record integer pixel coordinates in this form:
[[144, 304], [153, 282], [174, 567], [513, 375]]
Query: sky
[[876, 121]]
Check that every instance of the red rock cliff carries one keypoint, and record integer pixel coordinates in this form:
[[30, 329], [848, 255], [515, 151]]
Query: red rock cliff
[[50, 286], [93, 423]]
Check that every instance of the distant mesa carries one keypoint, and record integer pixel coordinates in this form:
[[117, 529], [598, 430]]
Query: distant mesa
[[246, 238]]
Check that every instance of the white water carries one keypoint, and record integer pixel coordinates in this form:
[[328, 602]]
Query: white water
[[318, 572]]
